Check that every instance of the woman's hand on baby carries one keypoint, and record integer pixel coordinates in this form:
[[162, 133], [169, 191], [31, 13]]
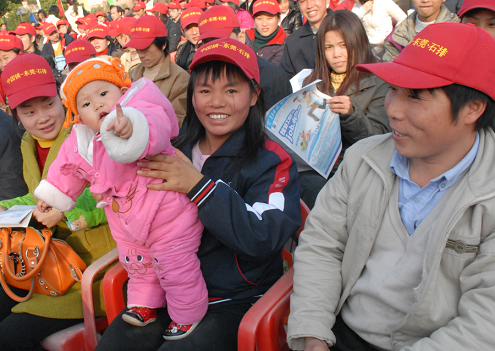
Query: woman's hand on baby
[[42, 206], [341, 105], [177, 171], [49, 218], [121, 126]]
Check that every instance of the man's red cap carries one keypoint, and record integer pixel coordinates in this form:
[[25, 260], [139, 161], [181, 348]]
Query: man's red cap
[[145, 31], [62, 23], [230, 51], [101, 13], [161, 8], [25, 28], [10, 42], [442, 54], [139, 6], [48, 29], [78, 51], [217, 22], [122, 26], [190, 16], [469, 5], [268, 6], [175, 6], [201, 4], [235, 2], [25, 77], [98, 31]]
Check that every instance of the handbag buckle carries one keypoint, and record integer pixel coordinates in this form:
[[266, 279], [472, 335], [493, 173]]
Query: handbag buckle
[[35, 256]]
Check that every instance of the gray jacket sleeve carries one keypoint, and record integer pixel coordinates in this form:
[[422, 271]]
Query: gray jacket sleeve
[[317, 268]]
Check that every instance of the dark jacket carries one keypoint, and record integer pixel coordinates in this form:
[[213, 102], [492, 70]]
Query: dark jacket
[[292, 22], [174, 34], [274, 83], [299, 51], [11, 179], [369, 116], [185, 54], [273, 50], [249, 211]]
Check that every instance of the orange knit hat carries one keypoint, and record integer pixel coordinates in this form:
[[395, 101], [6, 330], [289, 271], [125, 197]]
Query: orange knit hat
[[99, 68]]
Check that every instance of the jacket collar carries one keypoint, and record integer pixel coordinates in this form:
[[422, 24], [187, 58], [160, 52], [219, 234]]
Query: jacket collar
[[479, 178], [232, 148], [163, 73], [305, 31]]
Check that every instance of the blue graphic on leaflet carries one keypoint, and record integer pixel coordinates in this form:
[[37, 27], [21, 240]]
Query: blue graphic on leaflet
[[289, 126], [272, 113]]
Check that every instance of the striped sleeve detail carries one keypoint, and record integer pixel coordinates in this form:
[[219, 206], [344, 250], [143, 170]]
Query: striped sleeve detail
[[282, 172], [201, 191]]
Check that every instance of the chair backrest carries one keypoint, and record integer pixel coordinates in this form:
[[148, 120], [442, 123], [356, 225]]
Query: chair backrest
[[288, 252]]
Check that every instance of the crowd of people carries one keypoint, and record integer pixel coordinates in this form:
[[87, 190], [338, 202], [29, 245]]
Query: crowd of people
[[143, 129]]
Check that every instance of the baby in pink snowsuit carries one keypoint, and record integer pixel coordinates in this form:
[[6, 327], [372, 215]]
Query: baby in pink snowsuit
[[158, 233]]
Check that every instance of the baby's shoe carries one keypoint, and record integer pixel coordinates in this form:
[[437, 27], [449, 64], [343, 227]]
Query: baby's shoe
[[139, 316], [177, 331]]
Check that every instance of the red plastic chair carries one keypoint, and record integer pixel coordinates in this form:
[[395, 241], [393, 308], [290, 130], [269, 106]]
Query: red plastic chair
[[263, 326], [113, 291], [83, 336]]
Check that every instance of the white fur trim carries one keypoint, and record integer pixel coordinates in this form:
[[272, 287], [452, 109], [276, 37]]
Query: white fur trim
[[53, 197], [85, 138], [126, 150]]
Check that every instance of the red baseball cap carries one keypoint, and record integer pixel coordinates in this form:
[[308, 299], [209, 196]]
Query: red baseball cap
[[145, 31], [161, 8], [122, 26], [62, 23], [235, 2], [139, 6], [10, 42], [25, 28], [268, 6], [174, 6], [201, 4], [217, 22], [98, 31], [78, 51], [25, 77], [230, 51], [190, 16], [469, 5], [442, 54], [101, 13], [48, 29]]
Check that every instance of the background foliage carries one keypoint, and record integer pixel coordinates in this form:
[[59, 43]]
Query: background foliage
[[12, 14]]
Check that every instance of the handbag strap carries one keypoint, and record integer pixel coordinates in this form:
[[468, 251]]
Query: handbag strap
[[13, 295], [46, 233]]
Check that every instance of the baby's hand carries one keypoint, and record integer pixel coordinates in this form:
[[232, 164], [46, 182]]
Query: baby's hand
[[43, 206], [121, 126]]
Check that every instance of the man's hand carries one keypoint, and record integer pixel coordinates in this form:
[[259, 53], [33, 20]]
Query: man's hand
[[121, 126], [177, 172], [50, 218], [314, 344]]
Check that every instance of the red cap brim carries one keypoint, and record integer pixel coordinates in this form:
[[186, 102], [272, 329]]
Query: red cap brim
[[216, 33], [140, 43], [47, 89], [222, 58], [403, 76], [464, 10]]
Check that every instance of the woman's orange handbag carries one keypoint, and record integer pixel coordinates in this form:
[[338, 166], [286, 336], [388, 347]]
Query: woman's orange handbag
[[31, 260]]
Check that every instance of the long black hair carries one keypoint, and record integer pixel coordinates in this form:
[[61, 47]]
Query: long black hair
[[193, 131]]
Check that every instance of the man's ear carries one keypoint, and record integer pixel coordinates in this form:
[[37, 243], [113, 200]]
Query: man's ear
[[473, 111]]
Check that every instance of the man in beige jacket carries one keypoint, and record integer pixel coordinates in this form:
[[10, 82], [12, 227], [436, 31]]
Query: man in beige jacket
[[399, 250]]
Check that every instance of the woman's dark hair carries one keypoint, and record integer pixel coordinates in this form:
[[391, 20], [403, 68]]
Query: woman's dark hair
[[119, 9], [53, 10], [358, 50], [162, 44], [193, 131]]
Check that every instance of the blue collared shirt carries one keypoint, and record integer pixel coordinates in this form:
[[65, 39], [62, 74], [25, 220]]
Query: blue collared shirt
[[416, 203]]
